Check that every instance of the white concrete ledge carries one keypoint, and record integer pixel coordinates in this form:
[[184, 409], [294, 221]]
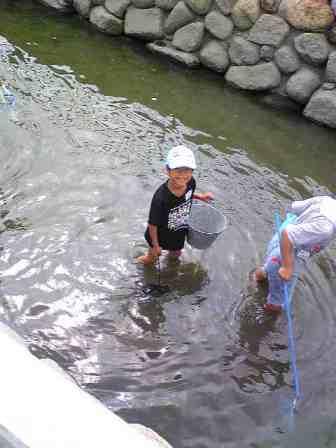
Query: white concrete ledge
[[41, 407]]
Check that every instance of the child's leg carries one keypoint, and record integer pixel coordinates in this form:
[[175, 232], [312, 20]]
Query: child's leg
[[149, 258]]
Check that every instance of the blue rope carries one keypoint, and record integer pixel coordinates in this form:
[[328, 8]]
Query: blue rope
[[291, 341]]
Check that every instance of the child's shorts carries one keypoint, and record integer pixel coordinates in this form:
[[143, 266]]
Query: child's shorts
[[169, 240]]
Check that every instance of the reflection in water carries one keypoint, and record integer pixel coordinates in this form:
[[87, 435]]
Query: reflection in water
[[199, 362]]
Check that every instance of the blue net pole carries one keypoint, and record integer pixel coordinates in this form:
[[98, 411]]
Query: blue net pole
[[291, 341]]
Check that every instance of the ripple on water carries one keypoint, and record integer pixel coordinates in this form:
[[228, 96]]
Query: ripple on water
[[201, 362]]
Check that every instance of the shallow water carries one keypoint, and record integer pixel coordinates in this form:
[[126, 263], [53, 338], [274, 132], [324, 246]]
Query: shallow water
[[80, 158]]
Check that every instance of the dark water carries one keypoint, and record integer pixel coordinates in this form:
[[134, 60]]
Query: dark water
[[80, 158]]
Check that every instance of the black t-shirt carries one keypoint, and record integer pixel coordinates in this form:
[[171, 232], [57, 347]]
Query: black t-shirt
[[170, 214]]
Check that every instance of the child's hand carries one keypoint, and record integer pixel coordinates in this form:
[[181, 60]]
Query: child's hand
[[285, 274], [156, 251], [207, 197]]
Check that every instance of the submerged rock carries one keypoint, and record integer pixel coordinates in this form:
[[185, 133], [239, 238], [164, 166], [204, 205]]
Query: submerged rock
[[82, 7], [63, 6], [188, 59], [257, 77], [322, 107]]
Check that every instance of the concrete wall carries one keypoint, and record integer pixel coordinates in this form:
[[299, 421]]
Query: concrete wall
[[41, 406]]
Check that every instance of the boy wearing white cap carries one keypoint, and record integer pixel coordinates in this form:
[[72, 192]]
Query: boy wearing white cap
[[171, 205]]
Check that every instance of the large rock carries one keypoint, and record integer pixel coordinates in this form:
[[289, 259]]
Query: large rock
[[312, 47], [181, 15], [189, 38], [188, 59], [218, 25], [243, 52], [82, 7], [257, 77], [322, 107], [331, 34], [225, 6], [245, 13], [269, 30], [62, 6], [214, 56], [167, 5], [270, 6], [145, 24], [331, 67], [201, 7], [106, 22], [287, 59], [302, 85], [143, 4], [307, 15], [117, 7]]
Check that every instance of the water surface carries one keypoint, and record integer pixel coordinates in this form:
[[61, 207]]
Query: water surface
[[80, 159]]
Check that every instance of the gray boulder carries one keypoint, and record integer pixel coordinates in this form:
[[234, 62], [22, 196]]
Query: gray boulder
[[331, 67], [117, 7], [145, 24], [214, 56], [267, 52], [322, 108], [269, 30], [312, 47], [302, 85], [97, 2], [225, 6], [188, 59], [218, 25], [257, 77], [106, 22], [270, 6], [200, 7], [243, 52], [82, 7], [167, 5], [181, 15], [143, 4], [189, 38], [287, 59]]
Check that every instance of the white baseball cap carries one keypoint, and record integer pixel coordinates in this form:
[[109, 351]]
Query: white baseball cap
[[180, 156]]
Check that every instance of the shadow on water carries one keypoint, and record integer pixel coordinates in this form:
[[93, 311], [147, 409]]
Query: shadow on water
[[80, 158]]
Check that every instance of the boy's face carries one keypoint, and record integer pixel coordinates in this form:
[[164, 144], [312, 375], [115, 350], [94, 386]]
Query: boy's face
[[180, 176]]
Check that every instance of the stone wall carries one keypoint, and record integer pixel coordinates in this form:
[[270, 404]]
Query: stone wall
[[284, 47]]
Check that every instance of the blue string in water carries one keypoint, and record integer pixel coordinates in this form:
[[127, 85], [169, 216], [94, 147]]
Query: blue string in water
[[291, 341]]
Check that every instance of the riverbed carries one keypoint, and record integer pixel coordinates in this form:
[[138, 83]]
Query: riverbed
[[81, 155]]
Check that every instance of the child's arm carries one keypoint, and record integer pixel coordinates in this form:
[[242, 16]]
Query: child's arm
[[287, 253], [206, 197], [153, 233]]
